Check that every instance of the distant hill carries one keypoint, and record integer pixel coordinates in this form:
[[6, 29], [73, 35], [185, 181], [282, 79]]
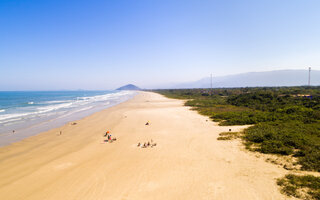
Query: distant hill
[[129, 87], [258, 79]]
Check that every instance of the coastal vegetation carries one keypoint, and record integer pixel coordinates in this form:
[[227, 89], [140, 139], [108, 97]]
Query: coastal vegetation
[[304, 187], [285, 121]]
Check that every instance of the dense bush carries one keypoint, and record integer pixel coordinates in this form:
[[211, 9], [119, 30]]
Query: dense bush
[[296, 138]]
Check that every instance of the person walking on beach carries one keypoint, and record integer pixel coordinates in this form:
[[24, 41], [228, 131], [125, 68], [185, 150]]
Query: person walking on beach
[[106, 134]]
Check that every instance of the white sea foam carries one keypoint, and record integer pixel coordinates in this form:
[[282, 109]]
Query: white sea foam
[[53, 107], [2, 110], [76, 111], [105, 96], [4, 118], [55, 102], [31, 102], [12, 122], [18, 116], [85, 108]]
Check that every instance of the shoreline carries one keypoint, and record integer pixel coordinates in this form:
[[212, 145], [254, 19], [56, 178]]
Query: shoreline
[[188, 161], [36, 128]]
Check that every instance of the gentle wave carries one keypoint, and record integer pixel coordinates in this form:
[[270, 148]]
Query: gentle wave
[[78, 110], [53, 107], [2, 110], [12, 120], [15, 115], [55, 102], [4, 118], [31, 102]]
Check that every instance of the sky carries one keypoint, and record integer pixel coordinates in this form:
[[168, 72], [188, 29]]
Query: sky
[[98, 45]]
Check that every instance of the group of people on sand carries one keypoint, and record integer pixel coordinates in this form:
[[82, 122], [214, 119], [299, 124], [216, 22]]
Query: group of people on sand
[[147, 144], [144, 145], [109, 137]]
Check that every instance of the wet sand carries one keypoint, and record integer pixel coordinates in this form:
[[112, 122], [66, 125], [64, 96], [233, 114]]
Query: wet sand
[[188, 161]]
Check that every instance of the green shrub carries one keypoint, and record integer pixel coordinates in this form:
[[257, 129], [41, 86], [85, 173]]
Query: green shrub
[[306, 187]]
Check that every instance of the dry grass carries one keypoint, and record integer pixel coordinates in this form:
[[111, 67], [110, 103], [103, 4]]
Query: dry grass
[[228, 135]]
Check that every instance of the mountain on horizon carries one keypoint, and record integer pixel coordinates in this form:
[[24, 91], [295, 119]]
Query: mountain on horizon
[[257, 79], [129, 87]]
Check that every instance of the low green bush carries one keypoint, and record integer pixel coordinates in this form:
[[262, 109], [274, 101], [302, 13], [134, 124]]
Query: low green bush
[[305, 187]]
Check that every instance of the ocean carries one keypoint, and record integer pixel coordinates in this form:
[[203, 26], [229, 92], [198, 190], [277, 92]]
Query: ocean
[[23, 114]]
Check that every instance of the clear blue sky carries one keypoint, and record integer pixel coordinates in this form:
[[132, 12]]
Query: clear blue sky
[[66, 44]]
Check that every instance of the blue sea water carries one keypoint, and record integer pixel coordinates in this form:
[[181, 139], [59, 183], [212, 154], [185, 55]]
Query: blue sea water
[[31, 112]]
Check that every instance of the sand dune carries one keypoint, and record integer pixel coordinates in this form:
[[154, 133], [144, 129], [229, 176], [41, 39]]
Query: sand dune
[[187, 163]]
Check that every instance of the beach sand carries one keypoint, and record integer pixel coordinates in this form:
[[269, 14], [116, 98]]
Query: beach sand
[[188, 161]]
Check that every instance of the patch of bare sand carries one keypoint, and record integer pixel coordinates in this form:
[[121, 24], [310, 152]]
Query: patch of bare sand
[[187, 163]]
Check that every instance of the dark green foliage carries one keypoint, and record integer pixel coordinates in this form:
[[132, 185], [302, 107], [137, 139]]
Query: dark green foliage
[[286, 138], [242, 118], [306, 187]]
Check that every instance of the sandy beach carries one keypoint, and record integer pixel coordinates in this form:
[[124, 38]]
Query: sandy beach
[[188, 161]]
